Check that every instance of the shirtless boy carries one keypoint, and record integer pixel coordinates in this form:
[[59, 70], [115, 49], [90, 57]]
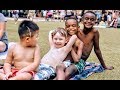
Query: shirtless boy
[[57, 53], [71, 26], [90, 37], [24, 55]]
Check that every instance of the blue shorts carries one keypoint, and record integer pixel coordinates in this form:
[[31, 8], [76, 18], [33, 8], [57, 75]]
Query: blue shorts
[[45, 72]]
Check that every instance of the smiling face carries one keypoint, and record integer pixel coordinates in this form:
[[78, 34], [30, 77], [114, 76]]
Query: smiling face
[[71, 25], [89, 20], [59, 40]]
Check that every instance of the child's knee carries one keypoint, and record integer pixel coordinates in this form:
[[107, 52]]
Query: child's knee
[[2, 46], [60, 67], [71, 69]]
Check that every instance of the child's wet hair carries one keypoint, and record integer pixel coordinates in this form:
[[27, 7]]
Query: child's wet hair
[[61, 31], [74, 18], [27, 29]]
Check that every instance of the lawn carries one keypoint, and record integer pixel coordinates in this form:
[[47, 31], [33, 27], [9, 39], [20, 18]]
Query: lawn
[[109, 44]]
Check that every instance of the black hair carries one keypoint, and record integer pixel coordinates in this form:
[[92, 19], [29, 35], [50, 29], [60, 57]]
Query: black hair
[[72, 17], [90, 12], [27, 28]]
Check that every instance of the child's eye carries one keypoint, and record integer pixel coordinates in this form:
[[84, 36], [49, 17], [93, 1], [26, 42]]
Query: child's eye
[[67, 26], [55, 38], [86, 18], [74, 25], [60, 39], [91, 19]]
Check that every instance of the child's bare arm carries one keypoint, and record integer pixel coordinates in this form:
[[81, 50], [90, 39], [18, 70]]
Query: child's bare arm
[[79, 33], [50, 38], [35, 64], [69, 45], [98, 51], [8, 61], [77, 55]]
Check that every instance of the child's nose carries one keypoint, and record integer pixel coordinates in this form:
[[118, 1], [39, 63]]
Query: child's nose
[[71, 27], [89, 20], [57, 40]]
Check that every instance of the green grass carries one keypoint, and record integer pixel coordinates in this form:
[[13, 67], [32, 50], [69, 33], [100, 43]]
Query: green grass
[[109, 44]]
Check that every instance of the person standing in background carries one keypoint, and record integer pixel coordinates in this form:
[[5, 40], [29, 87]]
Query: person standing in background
[[3, 34]]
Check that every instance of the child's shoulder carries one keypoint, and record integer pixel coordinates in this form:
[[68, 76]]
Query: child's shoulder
[[14, 44], [12, 47], [95, 30], [78, 42], [37, 47]]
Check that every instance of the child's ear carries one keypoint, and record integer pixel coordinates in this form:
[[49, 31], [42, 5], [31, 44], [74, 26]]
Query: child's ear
[[27, 39], [82, 19], [78, 28]]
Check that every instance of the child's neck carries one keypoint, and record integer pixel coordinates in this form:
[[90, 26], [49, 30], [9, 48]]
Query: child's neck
[[87, 30], [23, 44]]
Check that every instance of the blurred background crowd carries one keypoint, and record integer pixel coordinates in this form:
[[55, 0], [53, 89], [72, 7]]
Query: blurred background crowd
[[107, 18]]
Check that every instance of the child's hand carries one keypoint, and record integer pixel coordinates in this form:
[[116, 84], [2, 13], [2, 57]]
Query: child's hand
[[109, 68], [79, 29], [7, 75], [21, 71]]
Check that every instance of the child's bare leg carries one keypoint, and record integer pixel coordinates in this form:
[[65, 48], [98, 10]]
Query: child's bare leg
[[60, 71], [2, 75], [22, 76], [71, 70], [2, 46]]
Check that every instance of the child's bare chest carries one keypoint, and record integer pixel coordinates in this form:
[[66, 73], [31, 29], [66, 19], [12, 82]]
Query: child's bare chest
[[87, 39], [23, 54], [56, 52]]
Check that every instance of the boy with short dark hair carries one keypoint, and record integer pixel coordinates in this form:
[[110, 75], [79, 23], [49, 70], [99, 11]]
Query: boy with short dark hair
[[24, 55]]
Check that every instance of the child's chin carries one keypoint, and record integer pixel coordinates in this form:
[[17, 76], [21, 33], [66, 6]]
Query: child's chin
[[58, 46], [71, 34]]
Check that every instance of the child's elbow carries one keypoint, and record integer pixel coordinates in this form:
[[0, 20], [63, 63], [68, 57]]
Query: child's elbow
[[96, 50], [77, 60], [74, 36]]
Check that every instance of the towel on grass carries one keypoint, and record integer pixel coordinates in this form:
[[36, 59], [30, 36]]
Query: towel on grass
[[90, 68]]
